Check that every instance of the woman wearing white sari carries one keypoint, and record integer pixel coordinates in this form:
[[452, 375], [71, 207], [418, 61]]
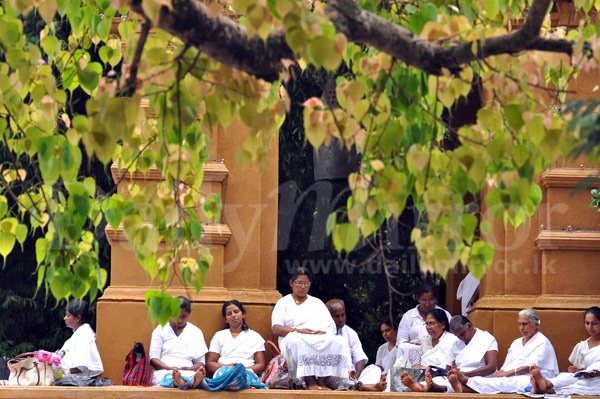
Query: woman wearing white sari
[[584, 358], [307, 335], [81, 357], [439, 349], [514, 376], [177, 350], [236, 344]]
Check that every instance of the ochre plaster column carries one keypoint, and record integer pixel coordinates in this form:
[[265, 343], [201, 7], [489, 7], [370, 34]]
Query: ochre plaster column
[[243, 247], [550, 263]]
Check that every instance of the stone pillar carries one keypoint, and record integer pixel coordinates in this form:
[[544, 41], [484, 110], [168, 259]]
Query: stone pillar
[[550, 263], [243, 246]]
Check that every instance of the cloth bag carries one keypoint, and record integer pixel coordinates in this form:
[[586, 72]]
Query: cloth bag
[[136, 367], [277, 374], [27, 370]]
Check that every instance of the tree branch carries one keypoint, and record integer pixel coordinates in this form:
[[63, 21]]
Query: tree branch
[[227, 41]]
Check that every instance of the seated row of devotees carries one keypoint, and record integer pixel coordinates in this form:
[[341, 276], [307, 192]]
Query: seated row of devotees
[[323, 353]]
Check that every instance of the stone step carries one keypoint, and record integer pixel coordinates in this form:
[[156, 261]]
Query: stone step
[[122, 392]]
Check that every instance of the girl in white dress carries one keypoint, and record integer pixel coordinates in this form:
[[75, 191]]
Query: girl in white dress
[[585, 357], [373, 377], [237, 343], [307, 335], [81, 355]]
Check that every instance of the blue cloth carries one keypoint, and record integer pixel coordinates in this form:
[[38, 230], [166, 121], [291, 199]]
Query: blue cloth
[[232, 378]]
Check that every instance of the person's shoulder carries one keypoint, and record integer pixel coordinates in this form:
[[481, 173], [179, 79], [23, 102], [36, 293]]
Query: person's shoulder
[[284, 299], [411, 312], [382, 347], [195, 329], [254, 334], [85, 330], [350, 330]]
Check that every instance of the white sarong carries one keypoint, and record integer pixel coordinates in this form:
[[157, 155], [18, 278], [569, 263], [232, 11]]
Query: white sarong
[[321, 355], [538, 350]]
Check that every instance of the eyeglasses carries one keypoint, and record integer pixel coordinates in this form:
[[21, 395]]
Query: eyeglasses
[[430, 323], [299, 284], [429, 301]]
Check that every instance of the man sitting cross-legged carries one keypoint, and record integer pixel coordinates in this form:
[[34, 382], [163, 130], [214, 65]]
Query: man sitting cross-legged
[[478, 358], [359, 358]]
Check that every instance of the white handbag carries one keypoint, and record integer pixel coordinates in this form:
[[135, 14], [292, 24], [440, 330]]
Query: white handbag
[[27, 370]]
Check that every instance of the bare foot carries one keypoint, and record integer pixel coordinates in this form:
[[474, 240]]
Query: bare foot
[[177, 380], [379, 387], [198, 377], [454, 382], [540, 381], [463, 379], [410, 383], [428, 383], [322, 385], [311, 384]]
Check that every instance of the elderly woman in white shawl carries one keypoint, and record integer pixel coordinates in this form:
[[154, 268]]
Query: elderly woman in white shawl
[[307, 335], [514, 376], [583, 376]]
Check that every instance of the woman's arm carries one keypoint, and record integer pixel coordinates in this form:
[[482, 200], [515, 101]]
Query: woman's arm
[[259, 363], [282, 331], [159, 364], [491, 364], [212, 363]]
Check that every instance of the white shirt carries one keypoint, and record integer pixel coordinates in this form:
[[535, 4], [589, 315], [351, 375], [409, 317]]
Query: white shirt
[[472, 357], [81, 352], [183, 350], [356, 349], [412, 327], [240, 349]]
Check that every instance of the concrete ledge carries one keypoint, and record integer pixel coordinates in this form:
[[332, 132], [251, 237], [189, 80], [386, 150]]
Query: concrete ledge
[[214, 171], [218, 234], [570, 177], [548, 240], [538, 302], [121, 392], [207, 295]]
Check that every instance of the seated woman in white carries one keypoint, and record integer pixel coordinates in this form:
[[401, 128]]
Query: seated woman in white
[[585, 357], [514, 376], [439, 349], [307, 335], [237, 343], [81, 355], [177, 350], [373, 377], [478, 358], [412, 331]]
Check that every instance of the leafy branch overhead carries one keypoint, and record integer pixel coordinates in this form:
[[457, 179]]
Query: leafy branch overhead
[[146, 98]]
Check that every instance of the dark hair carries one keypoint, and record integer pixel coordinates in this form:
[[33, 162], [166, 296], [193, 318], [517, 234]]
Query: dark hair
[[425, 288], [595, 310], [301, 271], [388, 322], [240, 307], [185, 304], [440, 316], [79, 307]]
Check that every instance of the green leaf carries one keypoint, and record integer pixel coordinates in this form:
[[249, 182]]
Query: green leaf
[[491, 7], [514, 116], [90, 76], [40, 249], [7, 243], [535, 194], [319, 50], [345, 237], [3, 206], [21, 234]]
